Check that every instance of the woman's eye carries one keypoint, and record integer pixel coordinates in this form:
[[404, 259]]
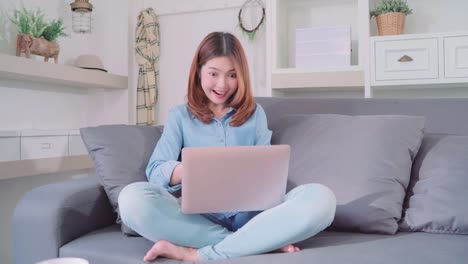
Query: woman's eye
[[213, 74], [234, 76]]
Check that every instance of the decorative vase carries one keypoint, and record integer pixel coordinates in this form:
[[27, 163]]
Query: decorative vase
[[38, 46], [392, 23]]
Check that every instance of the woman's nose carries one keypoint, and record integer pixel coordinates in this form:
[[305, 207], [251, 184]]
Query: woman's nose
[[221, 82]]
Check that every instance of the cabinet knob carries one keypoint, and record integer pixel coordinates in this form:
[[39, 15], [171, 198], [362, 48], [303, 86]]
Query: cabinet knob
[[405, 58]]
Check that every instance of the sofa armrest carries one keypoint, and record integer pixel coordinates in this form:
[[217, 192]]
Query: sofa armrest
[[52, 215]]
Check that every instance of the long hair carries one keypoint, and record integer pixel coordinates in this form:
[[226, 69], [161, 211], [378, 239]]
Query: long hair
[[214, 45]]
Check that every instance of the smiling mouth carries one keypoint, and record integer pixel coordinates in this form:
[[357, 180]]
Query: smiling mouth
[[220, 93]]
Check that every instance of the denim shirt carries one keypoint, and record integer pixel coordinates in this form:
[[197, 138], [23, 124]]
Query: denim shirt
[[183, 129]]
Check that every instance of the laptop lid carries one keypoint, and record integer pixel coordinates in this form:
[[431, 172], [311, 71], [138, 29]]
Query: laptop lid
[[237, 178]]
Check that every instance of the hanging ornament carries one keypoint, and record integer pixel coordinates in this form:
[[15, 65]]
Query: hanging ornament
[[81, 16], [251, 31]]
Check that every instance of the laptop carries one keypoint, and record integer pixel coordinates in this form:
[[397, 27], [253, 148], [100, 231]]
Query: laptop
[[237, 178]]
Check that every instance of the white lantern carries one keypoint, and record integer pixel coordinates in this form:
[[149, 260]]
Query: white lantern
[[81, 16]]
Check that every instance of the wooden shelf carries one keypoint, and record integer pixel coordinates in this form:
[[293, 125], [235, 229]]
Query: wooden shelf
[[351, 78], [20, 168], [19, 68]]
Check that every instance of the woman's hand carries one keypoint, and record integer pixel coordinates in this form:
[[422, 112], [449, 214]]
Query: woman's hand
[[176, 177]]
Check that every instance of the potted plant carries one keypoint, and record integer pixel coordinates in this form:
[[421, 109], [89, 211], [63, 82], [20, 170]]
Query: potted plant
[[390, 16], [36, 35]]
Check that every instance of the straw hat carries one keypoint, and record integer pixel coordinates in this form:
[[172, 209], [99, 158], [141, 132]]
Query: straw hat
[[89, 61]]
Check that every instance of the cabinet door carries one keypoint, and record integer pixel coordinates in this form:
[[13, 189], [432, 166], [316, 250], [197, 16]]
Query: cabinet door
[[407, 59], [456, 57], [39, 147], [9, 148]]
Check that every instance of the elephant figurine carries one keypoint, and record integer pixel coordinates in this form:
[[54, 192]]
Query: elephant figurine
[[38, 46]]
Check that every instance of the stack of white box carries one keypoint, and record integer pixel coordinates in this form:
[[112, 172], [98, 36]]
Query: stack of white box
[[323, 47]]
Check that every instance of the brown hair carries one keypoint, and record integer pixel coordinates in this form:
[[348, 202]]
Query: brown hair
[[214, 45]]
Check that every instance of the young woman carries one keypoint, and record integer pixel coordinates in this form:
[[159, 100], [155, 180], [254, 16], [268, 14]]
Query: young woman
[[221, 111]]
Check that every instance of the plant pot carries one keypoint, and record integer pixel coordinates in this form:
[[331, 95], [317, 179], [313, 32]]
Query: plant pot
[[391, 23], [38, 46]]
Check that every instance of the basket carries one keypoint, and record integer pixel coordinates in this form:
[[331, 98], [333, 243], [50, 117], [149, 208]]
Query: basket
[[392, 23]]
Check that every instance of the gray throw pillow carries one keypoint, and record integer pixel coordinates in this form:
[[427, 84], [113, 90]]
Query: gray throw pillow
[[437, 196], [120, 154], [365, 160]]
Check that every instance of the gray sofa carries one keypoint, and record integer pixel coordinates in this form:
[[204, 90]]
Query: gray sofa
[[76, 218]]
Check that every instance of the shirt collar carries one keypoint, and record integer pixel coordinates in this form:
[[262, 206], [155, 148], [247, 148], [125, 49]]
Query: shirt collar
[[229, 112]]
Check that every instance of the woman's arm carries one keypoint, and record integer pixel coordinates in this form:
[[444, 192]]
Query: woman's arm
[[176, 177], [163, 168], [263, 134]]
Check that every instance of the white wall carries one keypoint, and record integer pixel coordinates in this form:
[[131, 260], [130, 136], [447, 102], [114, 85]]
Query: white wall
[[45, 106], [183, 24], [433, 16], [108, 39], [31, 105]]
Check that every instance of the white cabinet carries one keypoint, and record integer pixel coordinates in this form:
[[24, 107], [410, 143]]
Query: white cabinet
[[9, 145], [433, 60], [406, 59], [40, 144], [37, 152], [37, 144], [456, 56]]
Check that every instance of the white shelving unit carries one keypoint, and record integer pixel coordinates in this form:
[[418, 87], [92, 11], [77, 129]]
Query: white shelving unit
[[427, 21], [351, 78], [432, 60], [106, 96], [286, 16], [19, 68], [435, 53]]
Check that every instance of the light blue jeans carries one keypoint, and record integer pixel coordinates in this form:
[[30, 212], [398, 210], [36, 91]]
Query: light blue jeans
[[155, 214]]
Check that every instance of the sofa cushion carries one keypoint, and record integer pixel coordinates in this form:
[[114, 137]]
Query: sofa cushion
[[110, 246], [365, 160], [120, 154], [437, 195]]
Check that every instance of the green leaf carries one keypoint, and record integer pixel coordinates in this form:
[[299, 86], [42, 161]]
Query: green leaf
[[387, 6], [33, 22]]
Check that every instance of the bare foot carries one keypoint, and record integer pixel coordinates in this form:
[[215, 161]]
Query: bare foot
[[166, 249], [289, 249]]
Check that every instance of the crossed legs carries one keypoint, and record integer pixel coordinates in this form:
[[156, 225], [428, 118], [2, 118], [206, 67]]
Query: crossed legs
[[155, 214]]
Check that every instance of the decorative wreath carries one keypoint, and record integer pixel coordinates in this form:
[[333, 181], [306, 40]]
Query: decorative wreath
[[251, 32]]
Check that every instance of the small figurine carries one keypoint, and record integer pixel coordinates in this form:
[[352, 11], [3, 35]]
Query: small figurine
[[38, 46]]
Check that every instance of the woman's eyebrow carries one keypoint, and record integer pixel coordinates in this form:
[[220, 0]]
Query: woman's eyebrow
[[216, 69]]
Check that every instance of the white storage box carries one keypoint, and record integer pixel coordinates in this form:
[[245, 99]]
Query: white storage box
[[323, 47], [38, 144], [75, 144], [322, 61], [323, 33], [9, 145]]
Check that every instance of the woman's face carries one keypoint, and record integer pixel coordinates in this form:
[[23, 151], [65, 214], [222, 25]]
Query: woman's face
[[218, 80]]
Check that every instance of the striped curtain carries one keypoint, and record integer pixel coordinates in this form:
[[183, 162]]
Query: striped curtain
[[147, 56]]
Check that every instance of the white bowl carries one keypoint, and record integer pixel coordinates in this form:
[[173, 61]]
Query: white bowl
[[64, 261]]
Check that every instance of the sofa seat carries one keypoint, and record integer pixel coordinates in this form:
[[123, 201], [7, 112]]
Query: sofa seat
[[110, 246]]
